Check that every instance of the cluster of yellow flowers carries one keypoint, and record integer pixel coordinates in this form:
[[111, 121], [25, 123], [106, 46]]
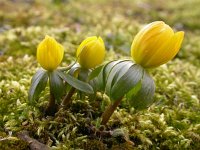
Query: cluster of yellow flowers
[[90, 53], [153, 46]]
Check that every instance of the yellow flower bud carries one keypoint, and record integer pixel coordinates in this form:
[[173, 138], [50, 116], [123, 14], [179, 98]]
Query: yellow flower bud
[[49, 53], [156, 44], [91, 52]]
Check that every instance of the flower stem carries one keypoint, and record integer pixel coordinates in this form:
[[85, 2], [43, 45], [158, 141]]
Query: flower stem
[[52, 107], [69, 67], [67, 99], [109, 111]]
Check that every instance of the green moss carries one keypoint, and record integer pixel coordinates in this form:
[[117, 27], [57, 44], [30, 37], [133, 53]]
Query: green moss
[[13, 145], [94, 144]]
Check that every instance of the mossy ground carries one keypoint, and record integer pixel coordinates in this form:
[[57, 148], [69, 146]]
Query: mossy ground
[[172, 122]]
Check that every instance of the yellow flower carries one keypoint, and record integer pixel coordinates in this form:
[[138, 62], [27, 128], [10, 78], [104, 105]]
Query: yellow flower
[[156, 44], [91, 52], [49, 53]]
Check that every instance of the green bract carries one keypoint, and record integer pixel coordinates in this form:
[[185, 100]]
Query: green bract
[[142, 96], [123, 77], [56, 79], [38, 83], [80, 85], [56, 84]]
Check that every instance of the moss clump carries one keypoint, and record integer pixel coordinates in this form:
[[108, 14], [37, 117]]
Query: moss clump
[[94, 144], [11, 143]]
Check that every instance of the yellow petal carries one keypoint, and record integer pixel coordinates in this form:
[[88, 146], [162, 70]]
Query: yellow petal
[[149, 43], [50, 53], [153, 27], [167, 52], [91, 52], [155, 44], [84, 43]]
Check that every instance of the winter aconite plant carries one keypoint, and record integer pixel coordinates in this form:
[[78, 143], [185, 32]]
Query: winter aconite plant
[[49, 55], [154, 45], [90, 53]]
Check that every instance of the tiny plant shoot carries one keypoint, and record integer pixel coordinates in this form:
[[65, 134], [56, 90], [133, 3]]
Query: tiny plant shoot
[[154, 45], [90, 53]]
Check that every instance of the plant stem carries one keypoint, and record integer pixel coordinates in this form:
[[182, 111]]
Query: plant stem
[[52, 107], [67, 99], [109, 111], [69, 67]]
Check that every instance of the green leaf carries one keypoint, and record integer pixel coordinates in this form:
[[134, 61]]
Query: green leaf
[[134, 90], [103, 75], [38, 83], [144, 97], [83, 74], [80, 85], [117, 72], [108, 69], [56, 84], [126, 82], [95, 72], [80, 73], [93, 78], [74, 68]]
